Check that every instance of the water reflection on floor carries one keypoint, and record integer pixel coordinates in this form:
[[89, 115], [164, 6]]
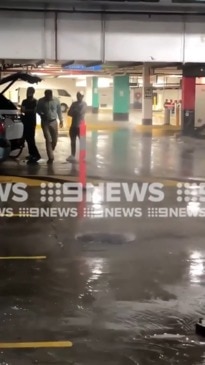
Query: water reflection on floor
[[121, 153], [121, 303]]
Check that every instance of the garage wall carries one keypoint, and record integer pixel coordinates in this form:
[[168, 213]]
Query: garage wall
[[26, 35], [79, 37], [86, 37], [194, 47], [148, 38]]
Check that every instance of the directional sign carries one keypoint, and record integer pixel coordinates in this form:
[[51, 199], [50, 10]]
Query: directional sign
[[83, 68], [148, 92]]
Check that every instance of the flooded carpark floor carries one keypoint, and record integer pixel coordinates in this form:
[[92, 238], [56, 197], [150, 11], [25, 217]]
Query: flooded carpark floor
[[112, 286], [126, 289]]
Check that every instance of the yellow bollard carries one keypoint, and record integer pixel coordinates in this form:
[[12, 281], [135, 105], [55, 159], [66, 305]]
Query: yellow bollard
[[68, 122], [177, 116]]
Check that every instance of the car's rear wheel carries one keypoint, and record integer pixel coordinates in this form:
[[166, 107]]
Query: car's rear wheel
[[16, 153], [64, 108], [5, 148], [17, 147]]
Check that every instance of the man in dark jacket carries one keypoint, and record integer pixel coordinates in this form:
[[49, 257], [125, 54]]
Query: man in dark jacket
[[77, 113], [28, 109]]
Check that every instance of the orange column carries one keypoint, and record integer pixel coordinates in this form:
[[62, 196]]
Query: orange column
[[188, 105]]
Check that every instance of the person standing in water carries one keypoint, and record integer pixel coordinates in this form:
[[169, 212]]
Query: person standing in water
[[77, 113], [28, 109], [49, 109]]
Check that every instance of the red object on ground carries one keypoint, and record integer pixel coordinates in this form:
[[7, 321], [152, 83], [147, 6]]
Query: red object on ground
[[82, 168], [82, 162]]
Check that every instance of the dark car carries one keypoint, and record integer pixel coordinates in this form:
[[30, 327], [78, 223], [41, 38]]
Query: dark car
[[11, 126]]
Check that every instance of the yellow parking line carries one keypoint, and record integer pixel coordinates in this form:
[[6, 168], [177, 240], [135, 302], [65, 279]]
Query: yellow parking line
[[139, 179], [23, 257], [157, 127], [94, 127], [37, 182], [63, 179], [10, 216], [27, 345], [20, 179], [15, 215]]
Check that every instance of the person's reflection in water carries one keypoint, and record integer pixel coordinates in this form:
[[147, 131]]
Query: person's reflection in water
[[50, 169], [33, 169], [146, 154], [74, 170], [186, 168]]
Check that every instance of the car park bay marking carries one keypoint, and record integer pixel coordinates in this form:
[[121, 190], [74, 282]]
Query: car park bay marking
[[20, 179], [42, 344], [23, 257], [36, 181]]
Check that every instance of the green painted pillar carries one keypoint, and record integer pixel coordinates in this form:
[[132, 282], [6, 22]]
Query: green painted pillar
[[121, 102], [95, 95]]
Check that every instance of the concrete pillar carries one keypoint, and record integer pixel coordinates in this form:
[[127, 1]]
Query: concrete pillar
[[95, 95], [92, 94], [121, 102], [88, 93], [146, 97], [188, 105]]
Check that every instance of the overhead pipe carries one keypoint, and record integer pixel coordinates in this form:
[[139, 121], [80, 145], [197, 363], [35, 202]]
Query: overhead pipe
[[40, 63], [56, 36], [93, 64], [149, 12], [55, 72], [103, 38], [68, 63], [184, 38]]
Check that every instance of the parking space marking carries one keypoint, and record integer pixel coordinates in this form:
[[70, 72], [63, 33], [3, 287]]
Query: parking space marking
[[23, 257], [35, 181], [20, 179], [139, 179], [93, 127], [42, 344], [64, 179]]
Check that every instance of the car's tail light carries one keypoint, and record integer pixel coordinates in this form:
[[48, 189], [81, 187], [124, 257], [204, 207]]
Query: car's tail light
[[2, 127]]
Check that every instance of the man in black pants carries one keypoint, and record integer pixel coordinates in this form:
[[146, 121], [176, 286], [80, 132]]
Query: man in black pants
[[77, 113], [28, 108]]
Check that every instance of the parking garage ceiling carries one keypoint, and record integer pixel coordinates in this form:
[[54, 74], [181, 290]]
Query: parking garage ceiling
[[74, 70], [143, 6], [8, 66]]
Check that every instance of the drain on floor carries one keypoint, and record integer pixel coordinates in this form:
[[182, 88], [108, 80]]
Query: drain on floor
[[105, 238]]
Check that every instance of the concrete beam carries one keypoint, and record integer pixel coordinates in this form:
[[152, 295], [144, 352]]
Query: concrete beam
[[97, 38]]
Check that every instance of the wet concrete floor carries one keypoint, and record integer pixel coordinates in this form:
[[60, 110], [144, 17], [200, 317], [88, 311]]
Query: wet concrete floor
[[115, 300], [119, 153]]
